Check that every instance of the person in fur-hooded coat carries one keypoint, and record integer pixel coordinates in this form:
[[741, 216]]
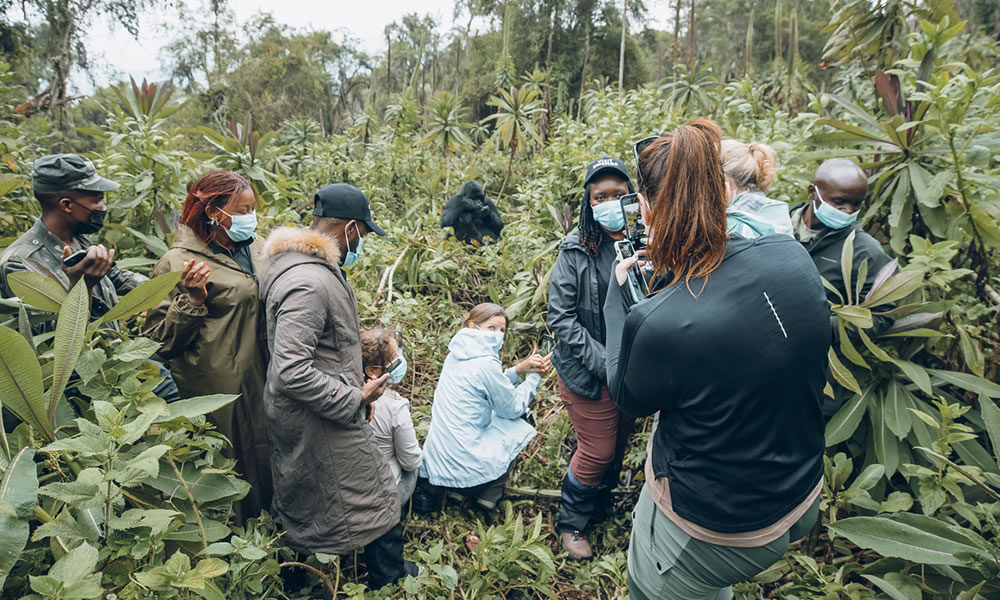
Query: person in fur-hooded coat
[[333, 491]]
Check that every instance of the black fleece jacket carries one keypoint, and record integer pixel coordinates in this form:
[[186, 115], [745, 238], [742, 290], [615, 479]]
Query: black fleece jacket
[[736, 370]]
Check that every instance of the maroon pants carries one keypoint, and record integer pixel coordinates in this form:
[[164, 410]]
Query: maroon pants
[[601, 433]]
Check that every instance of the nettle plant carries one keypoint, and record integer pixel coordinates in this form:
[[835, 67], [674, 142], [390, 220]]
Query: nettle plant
[[105, 489]]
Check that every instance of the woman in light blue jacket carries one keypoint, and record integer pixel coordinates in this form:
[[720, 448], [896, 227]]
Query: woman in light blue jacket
[[751, 169], [476, 428]]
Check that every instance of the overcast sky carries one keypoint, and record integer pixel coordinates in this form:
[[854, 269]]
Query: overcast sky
[[115, 54]]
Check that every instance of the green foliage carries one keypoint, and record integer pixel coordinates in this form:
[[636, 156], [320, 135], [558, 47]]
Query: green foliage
[[132, 497]]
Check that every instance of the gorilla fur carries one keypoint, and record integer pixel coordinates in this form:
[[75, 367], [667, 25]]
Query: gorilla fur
[[473, 216]]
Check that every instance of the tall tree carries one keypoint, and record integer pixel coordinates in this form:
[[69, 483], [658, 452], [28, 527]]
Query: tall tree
[[621, 53], [68, 22], [515, 122]]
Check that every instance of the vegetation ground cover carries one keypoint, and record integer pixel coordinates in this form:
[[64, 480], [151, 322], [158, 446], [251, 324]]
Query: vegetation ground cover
[[127, 497]]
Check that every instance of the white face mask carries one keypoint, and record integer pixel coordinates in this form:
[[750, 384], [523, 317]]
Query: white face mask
[[494, 338]]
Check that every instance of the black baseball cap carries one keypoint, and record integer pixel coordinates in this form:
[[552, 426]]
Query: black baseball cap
[[66, 172], [606, 166], [344, 201]]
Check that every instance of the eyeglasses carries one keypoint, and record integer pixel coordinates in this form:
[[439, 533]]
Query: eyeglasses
[[637, 149]]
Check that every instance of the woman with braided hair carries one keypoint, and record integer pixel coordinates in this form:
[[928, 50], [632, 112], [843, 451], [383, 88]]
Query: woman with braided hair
[[576, 298]]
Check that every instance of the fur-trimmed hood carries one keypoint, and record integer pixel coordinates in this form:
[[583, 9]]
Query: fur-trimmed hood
[[287, 248], [304, 241]]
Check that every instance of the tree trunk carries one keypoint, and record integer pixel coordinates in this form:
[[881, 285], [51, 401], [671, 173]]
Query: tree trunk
[[777, 31], [510, 165], [621, 51], [583, 72], [748, 47], [676, 54], [691, 23], [62, 21], [793, 55], [388, 65], [447, 171]]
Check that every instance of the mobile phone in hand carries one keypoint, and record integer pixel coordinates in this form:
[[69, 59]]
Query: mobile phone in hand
[[393, 364], [75, 258], [636, 282], [547, 344]]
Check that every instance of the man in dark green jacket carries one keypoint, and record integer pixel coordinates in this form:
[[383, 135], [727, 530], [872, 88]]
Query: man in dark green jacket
[[823, 224], [71, 194], [72, 197]]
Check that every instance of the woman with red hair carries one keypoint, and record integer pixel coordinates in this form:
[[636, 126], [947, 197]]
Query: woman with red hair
[[209, 325]]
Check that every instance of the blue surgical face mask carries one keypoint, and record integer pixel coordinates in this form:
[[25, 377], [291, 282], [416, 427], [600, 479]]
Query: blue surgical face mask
[[609, 215], [830, 216], [493, 338], [397, 374], [353, 255], [242, 226]]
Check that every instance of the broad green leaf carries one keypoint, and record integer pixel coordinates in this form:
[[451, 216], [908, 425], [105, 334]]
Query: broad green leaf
[[89, 363], [986, 226], [19, 491], [141, 468], [37, 290], [196, 407], [898, 286], [966, 381], [861, 317], [847, 346], [897, 403], [136, 349], [843, 424], [143, 297], [897, 502], [970, 350], [214, 530], [991, 417], [76, 572], [21, 388], [868, 478], [206, 487], [847, 265], [916, 374], [898, 540], [158, 520], [71, 333], [841, 373], [885, 443], [973, 592], [889, 589], [874, 348]]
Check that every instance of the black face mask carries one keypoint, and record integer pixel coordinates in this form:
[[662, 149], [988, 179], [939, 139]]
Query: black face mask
[[94, 222]]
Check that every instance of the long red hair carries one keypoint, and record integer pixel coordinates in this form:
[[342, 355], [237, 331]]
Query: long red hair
[[685, 186], [214, 189]]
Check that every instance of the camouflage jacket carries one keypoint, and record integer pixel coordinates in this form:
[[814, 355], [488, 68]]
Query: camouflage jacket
[[40, 251]]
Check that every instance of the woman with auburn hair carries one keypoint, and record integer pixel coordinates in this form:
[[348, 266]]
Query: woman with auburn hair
[[751, 169], [476, 428], [730, 350], [209, 325]]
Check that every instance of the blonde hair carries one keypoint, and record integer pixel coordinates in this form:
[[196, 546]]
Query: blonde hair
[[752, 166]]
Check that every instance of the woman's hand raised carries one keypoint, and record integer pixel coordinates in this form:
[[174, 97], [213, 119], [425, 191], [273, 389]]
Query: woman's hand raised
[[534, 364], [194, 281]]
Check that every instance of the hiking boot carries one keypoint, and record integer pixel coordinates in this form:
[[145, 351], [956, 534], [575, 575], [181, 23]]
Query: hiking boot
[[487, 504], [576, 545], [455, 497]]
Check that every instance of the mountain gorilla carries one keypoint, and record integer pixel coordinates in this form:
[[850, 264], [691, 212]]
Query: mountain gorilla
[[472, 215]]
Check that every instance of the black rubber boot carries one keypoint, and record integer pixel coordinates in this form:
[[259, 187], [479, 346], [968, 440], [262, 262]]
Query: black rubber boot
[[578, 504]]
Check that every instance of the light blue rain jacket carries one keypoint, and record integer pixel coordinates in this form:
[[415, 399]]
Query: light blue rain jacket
[[475, 428], [752, 215]]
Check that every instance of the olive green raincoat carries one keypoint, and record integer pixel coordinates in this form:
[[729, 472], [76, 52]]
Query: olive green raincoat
[[218, 348]]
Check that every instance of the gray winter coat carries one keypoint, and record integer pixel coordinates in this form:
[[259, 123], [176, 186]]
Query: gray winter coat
[[333, 490]]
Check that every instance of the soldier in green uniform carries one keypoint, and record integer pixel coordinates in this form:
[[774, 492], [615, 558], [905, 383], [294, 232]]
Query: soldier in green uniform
[[72, 197], [71, 194]]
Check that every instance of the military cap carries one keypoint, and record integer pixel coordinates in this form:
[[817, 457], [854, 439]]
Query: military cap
[[65, 172]]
